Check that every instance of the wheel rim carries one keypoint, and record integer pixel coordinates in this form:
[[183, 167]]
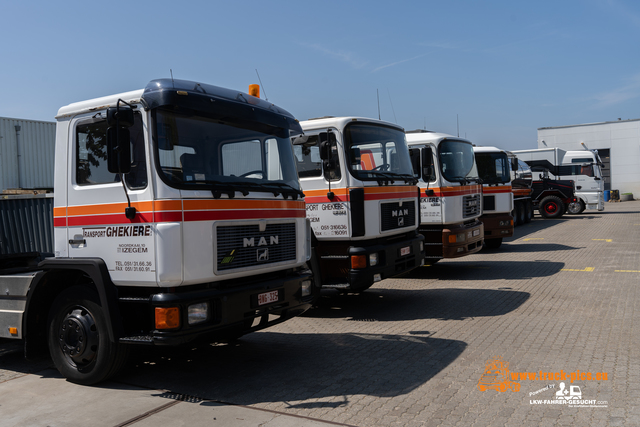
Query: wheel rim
[[574, 207], [550, 208], [78, 337]]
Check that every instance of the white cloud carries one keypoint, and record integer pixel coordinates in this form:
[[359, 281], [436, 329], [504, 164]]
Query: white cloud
[[398, 62], [619, 95], [340, 55]]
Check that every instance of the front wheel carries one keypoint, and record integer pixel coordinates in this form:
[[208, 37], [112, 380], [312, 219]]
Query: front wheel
[[551, 207], [492, 243], [576, 208], [78, 338]]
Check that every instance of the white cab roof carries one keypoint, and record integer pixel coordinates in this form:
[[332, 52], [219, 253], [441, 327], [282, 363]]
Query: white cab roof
[[341, 122], [99, 103]]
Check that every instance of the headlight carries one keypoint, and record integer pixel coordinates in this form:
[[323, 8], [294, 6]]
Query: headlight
[[373, 259], [306, 288], [198, 313], [456, 238]]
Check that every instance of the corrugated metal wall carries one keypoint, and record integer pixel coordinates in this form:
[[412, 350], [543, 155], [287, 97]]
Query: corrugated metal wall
[[26, 224], [37, 148]]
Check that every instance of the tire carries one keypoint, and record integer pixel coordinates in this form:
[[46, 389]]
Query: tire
[[520, 211], [514, 214], [492, 243], [576, 208], [528, 211], [551, 207], [85, 355], [314, 266]]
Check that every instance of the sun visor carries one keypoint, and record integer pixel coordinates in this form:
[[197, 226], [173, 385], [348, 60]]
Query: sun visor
[[218, 103]]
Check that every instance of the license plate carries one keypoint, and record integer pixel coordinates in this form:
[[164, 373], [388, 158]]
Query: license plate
[[267, 297], [476, 233], [405, 251]]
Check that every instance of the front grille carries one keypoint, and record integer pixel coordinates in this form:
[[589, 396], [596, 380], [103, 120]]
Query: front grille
[[489, 203], [471, 206], [242, 246], [395, 216]]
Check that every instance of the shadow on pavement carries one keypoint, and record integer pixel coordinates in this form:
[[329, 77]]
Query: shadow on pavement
[[275, 367], [487, 270], [388, 305], [12, 359], [532, 247]]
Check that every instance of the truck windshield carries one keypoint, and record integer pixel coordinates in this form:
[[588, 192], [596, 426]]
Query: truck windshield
[[195, 152], [493, 168], [457, 161], [376, 152]]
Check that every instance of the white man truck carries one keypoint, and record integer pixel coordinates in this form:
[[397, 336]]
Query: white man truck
[[178, 216], [450, 194], [581, 166], [362, 201], [497, 195]]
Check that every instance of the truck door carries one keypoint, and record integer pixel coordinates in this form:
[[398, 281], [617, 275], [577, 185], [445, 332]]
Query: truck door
[[424, 169], [97, 225]]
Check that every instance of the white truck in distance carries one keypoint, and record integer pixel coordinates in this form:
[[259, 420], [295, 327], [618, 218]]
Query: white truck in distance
[[581, 166], [450, 194], [362, 201], [178, 215]]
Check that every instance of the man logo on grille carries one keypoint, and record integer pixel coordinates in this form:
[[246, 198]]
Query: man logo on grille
[[263, 255], [401, 221]]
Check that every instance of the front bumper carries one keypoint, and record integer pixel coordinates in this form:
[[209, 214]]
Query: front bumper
[[391, 261], [233, 310], [469, 244], [497, 226]]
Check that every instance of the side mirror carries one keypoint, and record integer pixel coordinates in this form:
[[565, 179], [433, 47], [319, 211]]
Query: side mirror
[[120, 116], [427, 173], [118, 150], [119, 120], [355, 156], [324, 150]]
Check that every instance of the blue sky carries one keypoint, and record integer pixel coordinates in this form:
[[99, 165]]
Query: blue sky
[[503, 68]]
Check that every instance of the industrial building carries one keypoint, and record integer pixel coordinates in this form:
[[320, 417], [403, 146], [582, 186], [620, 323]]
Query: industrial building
[[27, 150], [617, 142]]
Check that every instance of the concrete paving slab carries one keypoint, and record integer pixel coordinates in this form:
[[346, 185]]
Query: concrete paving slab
[[49, 400], [46, 399], [217, 414]]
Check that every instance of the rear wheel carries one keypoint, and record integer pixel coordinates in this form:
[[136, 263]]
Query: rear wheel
[[576, 208], [551, 207], [528, 211], [514, 214], [520, 211], [78, 338]]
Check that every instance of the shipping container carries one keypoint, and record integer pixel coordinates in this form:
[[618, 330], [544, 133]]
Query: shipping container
[[26, 224], [26, 153]]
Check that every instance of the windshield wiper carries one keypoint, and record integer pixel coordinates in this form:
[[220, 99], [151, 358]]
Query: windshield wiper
[[461, 179], [230, 189], [476, 178], [288, 189], [276, 188]]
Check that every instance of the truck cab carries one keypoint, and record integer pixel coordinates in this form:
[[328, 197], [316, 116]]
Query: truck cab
[[178, 216], [450, 194], [497, 196], [362, 201]]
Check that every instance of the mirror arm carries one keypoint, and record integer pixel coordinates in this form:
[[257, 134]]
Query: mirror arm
[[129, 212]]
